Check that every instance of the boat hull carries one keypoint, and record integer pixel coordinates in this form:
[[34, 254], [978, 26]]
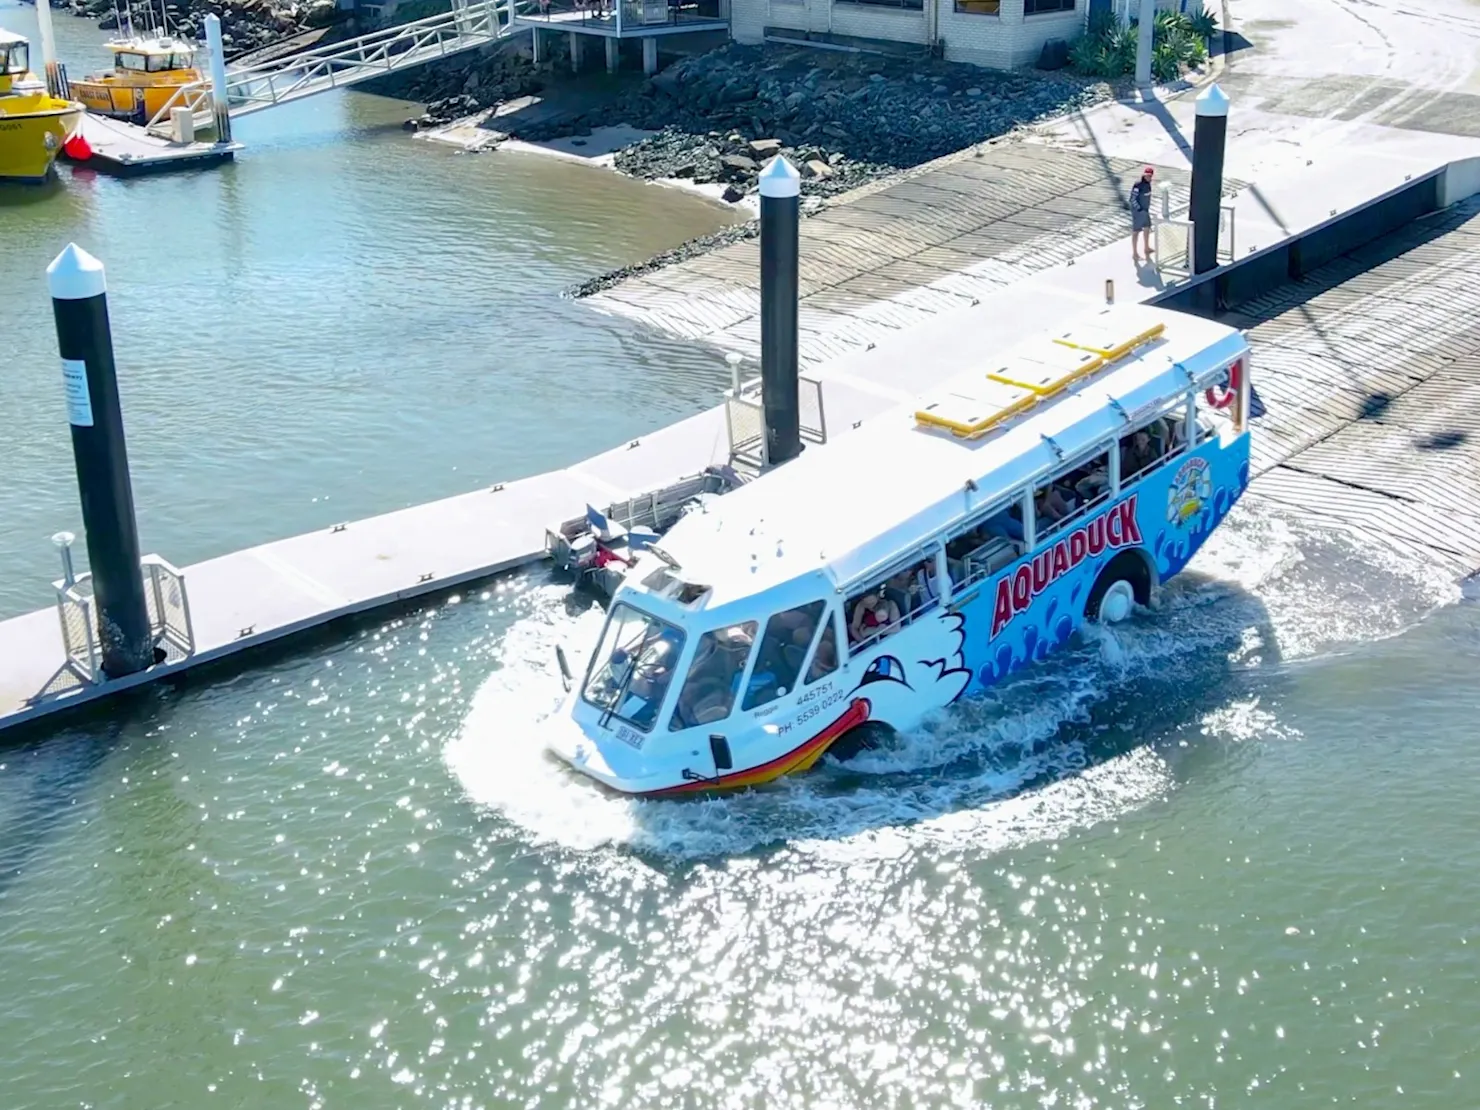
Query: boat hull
[[33, 130], [992, 628], [131, 100]]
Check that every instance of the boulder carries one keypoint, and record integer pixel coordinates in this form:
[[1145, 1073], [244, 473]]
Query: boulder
[[733, 195], [736, 166], [764, 148], [818, 169]]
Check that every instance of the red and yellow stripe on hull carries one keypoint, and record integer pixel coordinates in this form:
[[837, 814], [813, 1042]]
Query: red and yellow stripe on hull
[[798, 759]]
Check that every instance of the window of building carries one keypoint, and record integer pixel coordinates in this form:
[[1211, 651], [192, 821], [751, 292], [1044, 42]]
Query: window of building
[[783, 650], [1044, 7], [708, 694], [979, 7], [907, 5]]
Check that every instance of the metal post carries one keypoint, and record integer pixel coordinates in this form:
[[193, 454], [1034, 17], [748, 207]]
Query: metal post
[[79, 303], [734, 360], [1208, 140], [63, 542], [49, 50], [1144, 42], [221, 106], [781, 188]]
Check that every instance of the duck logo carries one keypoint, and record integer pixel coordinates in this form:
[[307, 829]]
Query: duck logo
[[1191, 489]]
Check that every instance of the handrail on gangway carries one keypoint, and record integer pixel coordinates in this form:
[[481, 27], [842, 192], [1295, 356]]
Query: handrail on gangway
[[318, 69]]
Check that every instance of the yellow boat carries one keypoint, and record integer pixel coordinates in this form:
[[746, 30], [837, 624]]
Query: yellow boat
[[146, 74], [33, 125]]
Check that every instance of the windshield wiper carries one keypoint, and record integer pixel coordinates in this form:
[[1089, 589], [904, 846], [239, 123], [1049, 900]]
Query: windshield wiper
[[621, 693]]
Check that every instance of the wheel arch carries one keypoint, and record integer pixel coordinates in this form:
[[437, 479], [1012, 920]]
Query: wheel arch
[[1133, 565]]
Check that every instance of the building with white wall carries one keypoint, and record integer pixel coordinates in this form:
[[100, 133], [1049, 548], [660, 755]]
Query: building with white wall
[[1000, 33], [1003, 34]]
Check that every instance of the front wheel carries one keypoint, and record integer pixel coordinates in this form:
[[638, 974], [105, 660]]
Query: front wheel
[[861, 738]]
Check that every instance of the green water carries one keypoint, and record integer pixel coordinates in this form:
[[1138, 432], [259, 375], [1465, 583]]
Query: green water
[[1220, 856]]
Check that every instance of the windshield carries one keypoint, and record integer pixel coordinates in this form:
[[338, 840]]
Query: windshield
[[13, 58], [633, 666]]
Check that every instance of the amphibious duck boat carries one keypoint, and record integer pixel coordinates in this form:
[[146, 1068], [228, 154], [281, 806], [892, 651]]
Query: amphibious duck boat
[[927, 555]]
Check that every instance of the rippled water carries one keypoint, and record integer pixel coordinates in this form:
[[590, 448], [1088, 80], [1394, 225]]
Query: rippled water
[[1222, 855], [1222, 852]]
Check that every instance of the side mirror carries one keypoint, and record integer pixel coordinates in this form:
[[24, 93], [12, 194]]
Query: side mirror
[[719, 747], [564, 667]]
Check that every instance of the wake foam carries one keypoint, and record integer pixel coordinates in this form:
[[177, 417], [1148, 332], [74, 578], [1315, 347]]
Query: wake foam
[[1072, 741]]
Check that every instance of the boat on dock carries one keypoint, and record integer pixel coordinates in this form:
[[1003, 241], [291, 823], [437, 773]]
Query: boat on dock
[[926, 556], [34, 126], [147, 73], [599, 548]]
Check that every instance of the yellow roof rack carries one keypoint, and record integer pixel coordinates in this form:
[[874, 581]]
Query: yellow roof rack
[[973, 408], [1045, 369], [973, 405], [1107, 342]]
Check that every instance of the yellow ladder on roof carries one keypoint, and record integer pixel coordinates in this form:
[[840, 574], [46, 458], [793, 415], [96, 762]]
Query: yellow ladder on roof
[[974, 405]]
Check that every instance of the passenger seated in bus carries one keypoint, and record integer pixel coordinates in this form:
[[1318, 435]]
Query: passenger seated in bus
[[1137, 452], [788, 636], [825, 661], [1050, 506], [1008, 523], [873, 615]]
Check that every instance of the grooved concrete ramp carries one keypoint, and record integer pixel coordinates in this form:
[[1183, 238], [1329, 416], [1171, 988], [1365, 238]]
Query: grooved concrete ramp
[[887, 259], [1371, 371]]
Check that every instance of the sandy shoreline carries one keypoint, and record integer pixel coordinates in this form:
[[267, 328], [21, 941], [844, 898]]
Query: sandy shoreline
[[599, 148]]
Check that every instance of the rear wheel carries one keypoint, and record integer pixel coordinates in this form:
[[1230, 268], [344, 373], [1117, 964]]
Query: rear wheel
[[1122, 585]]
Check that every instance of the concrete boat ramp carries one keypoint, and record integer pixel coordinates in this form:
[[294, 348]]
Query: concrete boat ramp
[[1368, 362]]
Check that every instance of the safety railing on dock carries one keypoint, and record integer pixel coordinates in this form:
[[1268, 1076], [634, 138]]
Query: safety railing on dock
[[1174, 238], [321, 68], [165, 599], [745, 420]]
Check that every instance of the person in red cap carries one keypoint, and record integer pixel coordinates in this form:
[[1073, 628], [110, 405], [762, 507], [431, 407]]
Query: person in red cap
[[1141, 215]]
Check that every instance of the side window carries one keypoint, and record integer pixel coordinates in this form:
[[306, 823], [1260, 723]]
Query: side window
[[1142, 450], [1071, 494], [987, 545], [783, 649], [884, 609], [825, 661], [708, 694]]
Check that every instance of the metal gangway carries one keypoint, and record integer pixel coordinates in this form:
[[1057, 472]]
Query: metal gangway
[[251, 88]]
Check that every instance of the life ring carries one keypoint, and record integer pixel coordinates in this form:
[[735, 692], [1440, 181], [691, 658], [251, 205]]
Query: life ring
[[1219, 397]]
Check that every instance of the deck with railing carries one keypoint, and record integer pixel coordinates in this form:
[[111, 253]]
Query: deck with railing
[[624, 18]]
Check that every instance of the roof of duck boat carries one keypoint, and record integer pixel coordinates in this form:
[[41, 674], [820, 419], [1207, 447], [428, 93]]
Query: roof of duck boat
[[874, 495], [8, 37]]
